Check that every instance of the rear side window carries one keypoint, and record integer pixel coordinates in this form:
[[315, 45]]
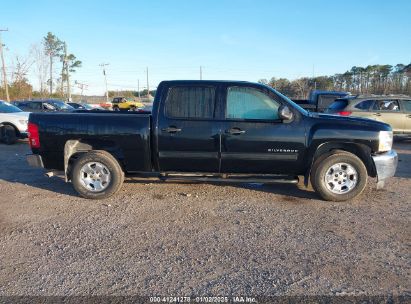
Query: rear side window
[[190, 102], [364, 105], [407, 105], [325, 100], [339, 104], [386, 105], [35, 105]]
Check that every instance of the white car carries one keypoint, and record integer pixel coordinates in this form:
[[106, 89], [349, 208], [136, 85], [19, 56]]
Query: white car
[[13, 123]]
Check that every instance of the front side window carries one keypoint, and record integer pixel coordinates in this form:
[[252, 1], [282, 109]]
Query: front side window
[[364, 105], [48, 106], [250, 103], [386, 105], [190, 102]]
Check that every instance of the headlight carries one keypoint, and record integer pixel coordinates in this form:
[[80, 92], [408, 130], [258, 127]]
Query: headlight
[[385, 141]]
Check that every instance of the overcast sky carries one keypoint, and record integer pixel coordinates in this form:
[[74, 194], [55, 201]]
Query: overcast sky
[[231, 39]]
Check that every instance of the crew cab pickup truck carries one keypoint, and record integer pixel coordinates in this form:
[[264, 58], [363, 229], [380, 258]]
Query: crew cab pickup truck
[[214, 131]]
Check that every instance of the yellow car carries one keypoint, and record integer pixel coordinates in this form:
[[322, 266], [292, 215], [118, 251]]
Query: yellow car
[[125, 104]]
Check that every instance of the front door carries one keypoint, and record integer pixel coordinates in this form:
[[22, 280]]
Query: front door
[[255, 139], [188, 138], [389, 111], [406, 106]]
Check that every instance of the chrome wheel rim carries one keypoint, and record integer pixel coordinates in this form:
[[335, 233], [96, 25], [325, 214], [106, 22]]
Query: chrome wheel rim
[[95, 176], [341, 178]]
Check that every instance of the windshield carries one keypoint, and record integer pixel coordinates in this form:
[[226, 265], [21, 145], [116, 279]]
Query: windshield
[[5, 107], [87, 106], [60, 105]]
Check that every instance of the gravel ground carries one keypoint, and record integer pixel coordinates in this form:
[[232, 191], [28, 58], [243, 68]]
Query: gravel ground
[[157, 238]]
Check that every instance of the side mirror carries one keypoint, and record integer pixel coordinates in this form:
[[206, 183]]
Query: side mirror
[[285, 113]]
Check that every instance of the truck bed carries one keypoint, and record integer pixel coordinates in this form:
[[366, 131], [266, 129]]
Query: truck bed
[[125, 134]]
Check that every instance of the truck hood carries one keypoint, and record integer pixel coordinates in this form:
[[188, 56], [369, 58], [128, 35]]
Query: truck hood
[[378, 125]]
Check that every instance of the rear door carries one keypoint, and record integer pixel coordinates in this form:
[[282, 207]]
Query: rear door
[[362, 109], [388, 111], [406, 106], [254, 139], [188, 137]]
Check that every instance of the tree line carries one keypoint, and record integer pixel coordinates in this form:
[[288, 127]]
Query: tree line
[[372, 79], [52, 66]]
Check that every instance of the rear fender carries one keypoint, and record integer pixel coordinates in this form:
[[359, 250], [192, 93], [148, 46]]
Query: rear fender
[[74, 148]]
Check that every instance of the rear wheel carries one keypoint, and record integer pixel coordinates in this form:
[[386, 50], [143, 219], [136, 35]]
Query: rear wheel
[[8, 135], [97, 175], [339, 177], [133, 108], [116, 108]]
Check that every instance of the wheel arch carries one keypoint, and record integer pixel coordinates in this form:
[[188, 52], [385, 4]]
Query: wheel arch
[[6, 123], [74, 148], [362, 151]]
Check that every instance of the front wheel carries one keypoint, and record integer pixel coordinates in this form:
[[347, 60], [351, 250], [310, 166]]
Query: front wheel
[[339, 177], [116, 108], [97, 175]]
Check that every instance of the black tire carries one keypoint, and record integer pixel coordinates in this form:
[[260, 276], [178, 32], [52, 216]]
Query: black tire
[[116, 108], [8, 135], [114, 168], [133, 108], [322, 166]]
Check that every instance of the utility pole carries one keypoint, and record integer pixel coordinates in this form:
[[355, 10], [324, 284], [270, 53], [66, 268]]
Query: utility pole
[[148, 87], [201, 72], [6, 86], [138, 88], [81, 86], [67, 72], [103, 65]]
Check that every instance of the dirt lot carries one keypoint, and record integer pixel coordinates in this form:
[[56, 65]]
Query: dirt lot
[[200, 239]]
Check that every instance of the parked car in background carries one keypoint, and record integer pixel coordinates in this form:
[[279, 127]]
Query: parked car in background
[[147, 108], [391, 109], [84, 106], [125, 104], [13, 123], [229, 131], [46, 105], [319, 100]]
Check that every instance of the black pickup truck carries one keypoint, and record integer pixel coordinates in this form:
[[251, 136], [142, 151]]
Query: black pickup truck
[[214, 131]]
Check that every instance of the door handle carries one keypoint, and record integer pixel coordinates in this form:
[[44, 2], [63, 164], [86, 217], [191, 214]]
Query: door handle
[[171, 130], [377, 114], [235, 131]]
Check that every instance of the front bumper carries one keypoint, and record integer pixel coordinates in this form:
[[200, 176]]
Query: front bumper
[[385, 166], [34, 160]]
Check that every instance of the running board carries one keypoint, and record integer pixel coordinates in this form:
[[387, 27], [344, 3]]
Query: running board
[[259, 180]]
